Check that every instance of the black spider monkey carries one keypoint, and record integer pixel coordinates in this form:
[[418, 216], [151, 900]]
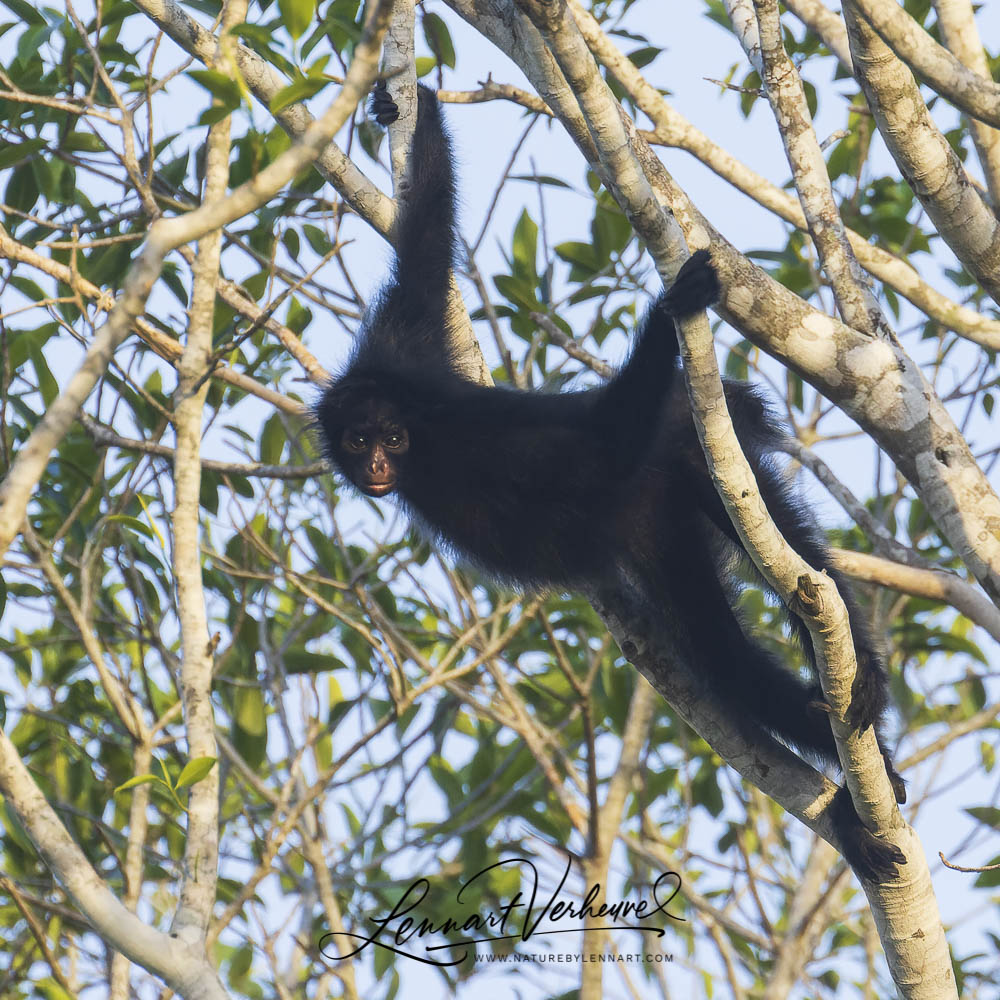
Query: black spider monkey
[[576, 488]]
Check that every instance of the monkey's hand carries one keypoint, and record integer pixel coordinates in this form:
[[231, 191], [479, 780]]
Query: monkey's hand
[[384, 109], [695, 288]]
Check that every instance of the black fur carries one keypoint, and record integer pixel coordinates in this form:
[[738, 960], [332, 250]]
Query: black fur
[[568, 489]]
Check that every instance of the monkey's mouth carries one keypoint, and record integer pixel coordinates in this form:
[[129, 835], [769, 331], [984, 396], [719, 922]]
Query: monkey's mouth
[[378, 489]]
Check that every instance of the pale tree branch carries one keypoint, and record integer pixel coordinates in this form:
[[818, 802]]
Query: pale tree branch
[[165, 235], [605, 120], [170, 349], [138, 826], [784, 569], [808, 920], [761, 39], [880, 535], [234, 296], [957, 24], [924, 157], [522, 722], [671, 128], [38, 932], [912, 934], [640, 716], [201, 846], [608, 822], [985, 718], [781, 565], [964, 87], [798, 584], [355, 188], [399, 69], [108, 438], [490, 90], [830, 28], [314, 840], [125, 706], [936, 584], [184, 967], [904, 570], [264, 82], [873, 381]]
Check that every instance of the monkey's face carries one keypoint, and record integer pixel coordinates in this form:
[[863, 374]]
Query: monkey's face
[[372, 447]]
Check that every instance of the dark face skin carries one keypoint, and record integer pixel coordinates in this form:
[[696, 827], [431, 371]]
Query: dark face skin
[[371, 448]]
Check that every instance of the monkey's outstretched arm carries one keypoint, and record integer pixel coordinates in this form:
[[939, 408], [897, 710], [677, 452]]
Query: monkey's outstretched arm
[[426, 225], [630, 405]]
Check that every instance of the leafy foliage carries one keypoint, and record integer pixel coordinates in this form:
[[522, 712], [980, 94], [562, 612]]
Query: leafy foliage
[[419, 719]]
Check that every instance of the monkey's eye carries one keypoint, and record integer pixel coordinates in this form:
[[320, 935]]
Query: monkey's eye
[[355, 442], [394, 441]]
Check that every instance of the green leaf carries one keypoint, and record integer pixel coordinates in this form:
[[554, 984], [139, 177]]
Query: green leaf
[[750, 88], [438, 40], [27, 12], [250, 710], [520, 292], [208, 494], [987, 815], [22, 190], [241, 485], [297, 15], [134, 523], [222, 87], [299, 90], [139, 779], [28, 288], [240, 964], [611, 232], [214, 114], [250, 718], [47, 385], [298, 317], [31, 41], [302, 661], [51, 990], [525, 247], [341, 24], [194, 771], [581, 254], [83, 142], [316, 239], [272, 440], [736, 360], [15, 831], [644, 56], [542, 179], [17, 151], [258, 38]]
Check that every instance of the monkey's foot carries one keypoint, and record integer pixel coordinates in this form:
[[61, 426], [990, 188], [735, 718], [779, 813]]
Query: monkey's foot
[[384, 109], [695, 288], [872, 858]]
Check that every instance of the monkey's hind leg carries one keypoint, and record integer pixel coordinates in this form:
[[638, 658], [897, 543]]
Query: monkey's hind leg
[[762, 692]]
